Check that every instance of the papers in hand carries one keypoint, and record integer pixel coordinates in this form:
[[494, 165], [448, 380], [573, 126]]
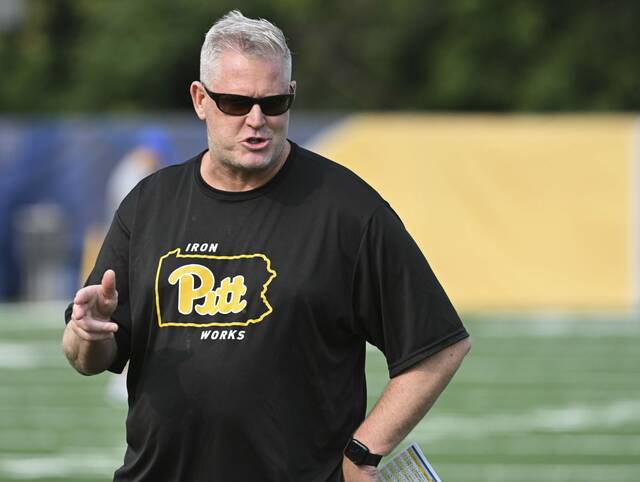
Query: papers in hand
[[410, 465]]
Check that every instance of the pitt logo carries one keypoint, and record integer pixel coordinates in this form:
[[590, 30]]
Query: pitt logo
[[196, 290], [225, 299]]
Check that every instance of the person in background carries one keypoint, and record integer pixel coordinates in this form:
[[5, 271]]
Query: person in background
[[151, 152]]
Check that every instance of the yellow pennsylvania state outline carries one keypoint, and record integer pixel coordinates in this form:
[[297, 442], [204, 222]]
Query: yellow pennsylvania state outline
[[263, 294]]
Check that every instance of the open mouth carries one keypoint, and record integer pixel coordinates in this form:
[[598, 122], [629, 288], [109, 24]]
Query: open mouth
[[256, 142]]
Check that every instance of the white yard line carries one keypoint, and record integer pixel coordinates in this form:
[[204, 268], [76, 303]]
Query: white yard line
[[68, 465], [577, 325], [23, 355], [552, 419]]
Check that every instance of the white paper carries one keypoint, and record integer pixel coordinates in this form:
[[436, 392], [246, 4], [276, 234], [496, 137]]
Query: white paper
[[410, 465]]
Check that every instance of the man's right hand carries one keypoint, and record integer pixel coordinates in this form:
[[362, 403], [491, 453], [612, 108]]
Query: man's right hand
[[92, 309], [88, 341]]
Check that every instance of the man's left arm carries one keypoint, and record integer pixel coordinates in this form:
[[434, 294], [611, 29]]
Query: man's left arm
[[406, 399]]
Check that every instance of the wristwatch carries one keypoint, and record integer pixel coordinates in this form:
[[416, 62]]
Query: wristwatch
[[359, 454]]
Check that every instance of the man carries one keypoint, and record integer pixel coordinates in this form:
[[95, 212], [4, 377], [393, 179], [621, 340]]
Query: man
[[242, 286]]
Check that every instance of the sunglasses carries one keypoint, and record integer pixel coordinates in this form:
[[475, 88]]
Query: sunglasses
[[238, 105]]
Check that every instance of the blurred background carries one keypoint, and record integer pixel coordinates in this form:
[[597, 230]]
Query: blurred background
[[505, 133]]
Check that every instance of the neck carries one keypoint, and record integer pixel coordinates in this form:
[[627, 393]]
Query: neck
[[232, 179]]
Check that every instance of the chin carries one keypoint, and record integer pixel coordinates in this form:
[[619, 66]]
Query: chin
[[257, 161], [253, 162]]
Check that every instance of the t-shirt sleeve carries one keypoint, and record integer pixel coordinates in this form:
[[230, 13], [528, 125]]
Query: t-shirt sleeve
[[114, 254], [399, 305]]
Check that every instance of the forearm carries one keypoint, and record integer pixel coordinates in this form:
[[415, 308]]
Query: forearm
[[88, 357], [408, 397]]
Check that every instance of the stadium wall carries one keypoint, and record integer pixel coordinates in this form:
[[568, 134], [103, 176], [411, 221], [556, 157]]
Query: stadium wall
[[513, 212]]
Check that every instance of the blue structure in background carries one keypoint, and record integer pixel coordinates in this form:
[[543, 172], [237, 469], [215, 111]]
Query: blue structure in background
[[66, 161]]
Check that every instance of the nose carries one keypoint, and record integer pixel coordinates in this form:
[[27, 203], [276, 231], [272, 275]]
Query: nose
[[255, 117]]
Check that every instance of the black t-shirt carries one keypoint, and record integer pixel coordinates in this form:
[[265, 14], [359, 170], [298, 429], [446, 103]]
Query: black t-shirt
[[244, 316]]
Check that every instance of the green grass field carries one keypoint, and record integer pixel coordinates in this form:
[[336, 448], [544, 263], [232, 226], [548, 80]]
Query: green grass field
[[539, 398]]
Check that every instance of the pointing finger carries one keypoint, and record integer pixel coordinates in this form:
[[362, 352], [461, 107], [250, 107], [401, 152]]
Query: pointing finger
[[109, 284]]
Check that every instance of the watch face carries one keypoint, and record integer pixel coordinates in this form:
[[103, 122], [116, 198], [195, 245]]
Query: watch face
[[356, 452]]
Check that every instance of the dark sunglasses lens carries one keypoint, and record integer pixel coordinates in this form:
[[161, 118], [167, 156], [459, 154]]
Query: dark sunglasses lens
[[234, 104], [241, 105], [275, 105]]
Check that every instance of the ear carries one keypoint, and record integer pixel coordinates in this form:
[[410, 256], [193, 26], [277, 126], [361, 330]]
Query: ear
[[198, 97], [292, 86]]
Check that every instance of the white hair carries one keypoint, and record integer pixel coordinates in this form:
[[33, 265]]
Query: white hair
[[236, 32]]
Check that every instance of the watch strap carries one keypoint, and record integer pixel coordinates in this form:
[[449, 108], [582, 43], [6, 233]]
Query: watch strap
[[372, 459]]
